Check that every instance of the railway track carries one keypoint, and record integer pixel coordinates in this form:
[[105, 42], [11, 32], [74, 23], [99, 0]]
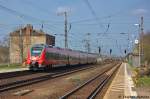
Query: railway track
[[7, 75], [92, 87], [10, 77], [20, 83]]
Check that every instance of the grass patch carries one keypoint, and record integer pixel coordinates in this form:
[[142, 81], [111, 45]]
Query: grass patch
[[10, 66], [133, 68], [135, 72], [75, 79], [140, 81], [143, 81]]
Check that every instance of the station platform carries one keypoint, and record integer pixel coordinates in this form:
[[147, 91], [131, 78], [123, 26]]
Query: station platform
[[122, 86], [12, 70]]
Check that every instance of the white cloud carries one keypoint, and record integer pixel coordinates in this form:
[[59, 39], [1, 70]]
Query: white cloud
[[140, 11], [63, 9]]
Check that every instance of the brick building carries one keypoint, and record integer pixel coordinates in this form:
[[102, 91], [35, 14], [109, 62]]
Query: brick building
[[22, 39]]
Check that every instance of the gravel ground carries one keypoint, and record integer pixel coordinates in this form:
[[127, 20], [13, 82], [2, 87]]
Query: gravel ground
[[53, 89]]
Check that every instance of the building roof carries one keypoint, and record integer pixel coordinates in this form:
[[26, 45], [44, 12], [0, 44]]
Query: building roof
[[28, 30]]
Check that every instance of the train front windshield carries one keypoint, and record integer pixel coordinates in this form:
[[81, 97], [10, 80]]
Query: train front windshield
[[36, 51]]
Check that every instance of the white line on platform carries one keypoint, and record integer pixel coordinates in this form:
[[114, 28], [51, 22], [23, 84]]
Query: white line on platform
[[129, 83]]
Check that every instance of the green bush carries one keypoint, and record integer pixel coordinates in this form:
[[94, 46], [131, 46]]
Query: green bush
[[143, 81]]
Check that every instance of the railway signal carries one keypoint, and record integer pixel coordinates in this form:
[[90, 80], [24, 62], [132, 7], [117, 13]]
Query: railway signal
[[110, 51], [99, 50], [125, 51]]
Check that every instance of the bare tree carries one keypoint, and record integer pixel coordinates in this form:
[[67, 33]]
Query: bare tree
[[4, 49], [146, 41]]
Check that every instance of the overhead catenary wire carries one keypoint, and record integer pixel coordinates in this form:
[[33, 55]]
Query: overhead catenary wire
[[21, 15], [24, 16], [99, 18], [93, 12], [41, 8], [55, 28], [29, 2]]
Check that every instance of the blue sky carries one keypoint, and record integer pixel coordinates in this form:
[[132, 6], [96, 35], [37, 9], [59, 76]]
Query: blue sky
[[121, 15]]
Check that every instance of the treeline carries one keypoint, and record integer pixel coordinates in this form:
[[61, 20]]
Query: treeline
[[146, 47], [4, 50]]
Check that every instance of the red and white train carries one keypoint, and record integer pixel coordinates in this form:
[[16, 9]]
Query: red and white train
[[46, 56]]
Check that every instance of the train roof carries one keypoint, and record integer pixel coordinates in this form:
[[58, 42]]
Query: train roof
[[42, 45], [50, 46]]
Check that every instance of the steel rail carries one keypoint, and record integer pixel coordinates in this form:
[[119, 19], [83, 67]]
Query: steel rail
[[22, 83], [84, 84], [101, 85]]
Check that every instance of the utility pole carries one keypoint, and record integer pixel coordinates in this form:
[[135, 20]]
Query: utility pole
[[128, 48], [21, 45], [141, 39], [66, 30], [65, 27], [88, 42], [9, 49]]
